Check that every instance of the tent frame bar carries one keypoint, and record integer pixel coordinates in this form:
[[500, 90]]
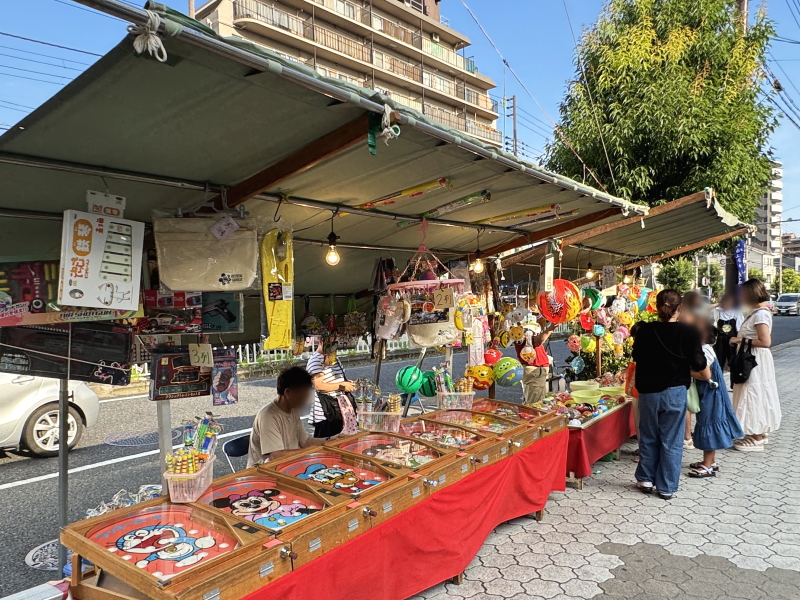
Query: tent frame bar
[[138, 16]]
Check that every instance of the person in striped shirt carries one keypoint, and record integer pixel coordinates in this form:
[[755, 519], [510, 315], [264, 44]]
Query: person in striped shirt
[[329, 377]]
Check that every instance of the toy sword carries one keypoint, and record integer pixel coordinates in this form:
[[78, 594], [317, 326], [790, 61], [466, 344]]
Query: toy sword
[[480, 197], [553, 217], [539, 211], [411, 192]]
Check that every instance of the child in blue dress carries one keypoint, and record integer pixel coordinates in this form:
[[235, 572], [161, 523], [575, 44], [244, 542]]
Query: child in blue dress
[[716, 426]]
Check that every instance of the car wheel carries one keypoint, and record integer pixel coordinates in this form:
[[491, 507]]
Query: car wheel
[[41, 431]]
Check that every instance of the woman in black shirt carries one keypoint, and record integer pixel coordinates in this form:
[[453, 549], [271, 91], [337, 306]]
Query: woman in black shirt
[[666, 353]]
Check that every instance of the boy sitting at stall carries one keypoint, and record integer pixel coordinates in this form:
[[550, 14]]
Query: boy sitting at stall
[[277, 428]]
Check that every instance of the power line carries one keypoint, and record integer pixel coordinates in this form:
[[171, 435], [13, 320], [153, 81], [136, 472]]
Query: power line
[[12, 108], [89, 10], [19, 37], [791, 11], [34, 72], [41, 62], [591, 100], [77, 62], [15, 104], [31, 78], [527, 91]]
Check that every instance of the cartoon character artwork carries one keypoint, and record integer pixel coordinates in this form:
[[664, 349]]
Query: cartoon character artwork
[[393, 449], [476, 421], [505, 410], [332, 471], [110, 293], [261, 501], [164, 540], [453, 437]]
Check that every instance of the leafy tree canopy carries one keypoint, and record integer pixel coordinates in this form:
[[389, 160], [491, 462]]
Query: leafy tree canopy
[[791, 281], [755, 274], [674, 86], [678, 275]]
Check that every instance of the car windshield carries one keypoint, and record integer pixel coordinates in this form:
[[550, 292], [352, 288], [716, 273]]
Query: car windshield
[[789, 298]]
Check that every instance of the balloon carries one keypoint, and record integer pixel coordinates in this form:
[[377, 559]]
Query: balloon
[[517, 333], [624, 332], [651, 301], [623, 290], [598, 330], [608, 340], [618, 351], [504, 339], [482, 376], [618, 338], [574, 343], [602, 317], [594, 296], [642, 300], [586, 321], [491, 356], [562, 304], [508, 372], [625, 318], [587, 344], [409, 379], [577, 364], [428, 387], [635, 292], [618, 306]]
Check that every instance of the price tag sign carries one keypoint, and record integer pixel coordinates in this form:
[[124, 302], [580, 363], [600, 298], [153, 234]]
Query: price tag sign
[[201, 355], [443, 299], [546, 284]]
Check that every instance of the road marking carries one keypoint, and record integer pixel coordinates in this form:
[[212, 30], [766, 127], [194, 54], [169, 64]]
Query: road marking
[[105, 463], [123, 398]]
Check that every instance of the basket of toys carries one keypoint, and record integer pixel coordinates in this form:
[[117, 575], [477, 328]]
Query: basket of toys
[[185, 485], [384, 422], [455, 400]]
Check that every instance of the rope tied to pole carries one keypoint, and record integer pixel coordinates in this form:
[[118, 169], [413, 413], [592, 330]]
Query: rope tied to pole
[[389, 131], [147, 38]]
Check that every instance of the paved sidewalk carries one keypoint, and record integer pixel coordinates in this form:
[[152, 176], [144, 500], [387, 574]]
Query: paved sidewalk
[[734, 536]]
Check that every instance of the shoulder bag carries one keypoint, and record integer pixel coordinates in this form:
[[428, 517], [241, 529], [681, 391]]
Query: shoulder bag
[[743, 362]]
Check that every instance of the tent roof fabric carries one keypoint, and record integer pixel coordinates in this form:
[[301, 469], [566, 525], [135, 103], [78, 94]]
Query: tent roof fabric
[[221, 110]]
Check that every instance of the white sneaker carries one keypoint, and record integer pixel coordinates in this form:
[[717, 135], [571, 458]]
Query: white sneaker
[[688, 444], [645, 487]]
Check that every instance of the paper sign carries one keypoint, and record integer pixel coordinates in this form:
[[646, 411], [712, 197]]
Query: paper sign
[[549, 269], [201, 355], [101, 261], [105, 204], [288, 291], [275, 291], [443, 299], [609, 276], [224, 228], [224, 379]]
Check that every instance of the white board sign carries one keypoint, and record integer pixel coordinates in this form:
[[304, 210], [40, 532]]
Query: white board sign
[[101, 261], [609, 276]]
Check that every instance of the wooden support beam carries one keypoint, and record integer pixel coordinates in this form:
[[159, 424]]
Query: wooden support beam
[[684, 249], [577, 238], [328, 145], [553, 231]]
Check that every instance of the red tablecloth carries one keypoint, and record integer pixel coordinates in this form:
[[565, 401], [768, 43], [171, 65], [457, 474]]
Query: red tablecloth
[[587, 446], [435, 539]]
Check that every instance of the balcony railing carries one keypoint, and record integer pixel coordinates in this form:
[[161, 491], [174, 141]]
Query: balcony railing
[[446, 54], [340, 43], [252, 9], [396, 65], [484, 131]]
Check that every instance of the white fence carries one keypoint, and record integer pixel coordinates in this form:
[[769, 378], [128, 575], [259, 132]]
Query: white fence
[[252, 353]]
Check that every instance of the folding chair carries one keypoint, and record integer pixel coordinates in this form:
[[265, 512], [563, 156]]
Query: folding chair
[[236, 448]]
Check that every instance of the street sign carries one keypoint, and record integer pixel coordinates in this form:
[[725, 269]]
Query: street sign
[[705, 281]]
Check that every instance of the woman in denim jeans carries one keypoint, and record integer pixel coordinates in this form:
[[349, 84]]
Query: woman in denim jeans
[[666, 354]]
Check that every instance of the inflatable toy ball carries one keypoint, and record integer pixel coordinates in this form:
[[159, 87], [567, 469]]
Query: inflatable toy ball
[[508, 372], [491, 356], [409, 379], [482, 376], [586, 321], [562, 303], [428, 387], [574, 343]]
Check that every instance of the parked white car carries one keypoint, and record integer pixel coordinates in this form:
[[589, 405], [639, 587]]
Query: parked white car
[[29, 413], [788, 304]]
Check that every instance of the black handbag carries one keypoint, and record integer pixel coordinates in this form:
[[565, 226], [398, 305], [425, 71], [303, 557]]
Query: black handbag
[[743, 362]]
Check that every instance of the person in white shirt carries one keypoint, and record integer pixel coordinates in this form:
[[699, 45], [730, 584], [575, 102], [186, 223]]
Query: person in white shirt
[[328, 376], [727, 319]]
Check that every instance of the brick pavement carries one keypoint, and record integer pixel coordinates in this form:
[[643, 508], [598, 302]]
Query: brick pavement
[[733, 536]]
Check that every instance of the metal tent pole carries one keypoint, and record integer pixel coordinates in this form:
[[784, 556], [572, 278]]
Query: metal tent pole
[[63, 454], [164, 437]]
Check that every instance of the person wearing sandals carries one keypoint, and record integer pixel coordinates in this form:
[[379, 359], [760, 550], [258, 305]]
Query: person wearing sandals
[[756, 400], [716, 426], [665, 352]]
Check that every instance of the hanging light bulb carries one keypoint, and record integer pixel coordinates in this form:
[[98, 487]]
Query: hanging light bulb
[[332, 257], [477, 266], [589, 272], [627, 278]]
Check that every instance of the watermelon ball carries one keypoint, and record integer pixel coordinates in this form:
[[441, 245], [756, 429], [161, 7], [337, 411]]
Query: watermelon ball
[[428, 387], [409, 379], [508, 372]]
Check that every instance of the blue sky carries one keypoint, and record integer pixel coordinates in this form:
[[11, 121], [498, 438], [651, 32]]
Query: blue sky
[[534, 36]]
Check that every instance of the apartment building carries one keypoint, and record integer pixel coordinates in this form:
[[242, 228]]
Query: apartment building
[[402, 48], [768, 214]]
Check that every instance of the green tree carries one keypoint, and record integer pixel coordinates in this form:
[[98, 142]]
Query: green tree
[[676, 89], [715, 278], [755, 274], [791, 281], [678, 275]]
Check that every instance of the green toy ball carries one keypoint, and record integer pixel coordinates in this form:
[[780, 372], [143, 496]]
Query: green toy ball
[[409, 379], [428, 387], [508, 372]]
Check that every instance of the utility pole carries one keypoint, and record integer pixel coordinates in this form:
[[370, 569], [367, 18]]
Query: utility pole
[[191, 9], [743, 12], [514, 144]]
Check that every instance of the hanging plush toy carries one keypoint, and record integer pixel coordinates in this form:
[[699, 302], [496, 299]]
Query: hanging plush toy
[[562, 304]]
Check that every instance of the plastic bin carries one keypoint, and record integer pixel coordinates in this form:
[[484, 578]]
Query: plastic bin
[[384, 422], [455, 400], [188, 488]]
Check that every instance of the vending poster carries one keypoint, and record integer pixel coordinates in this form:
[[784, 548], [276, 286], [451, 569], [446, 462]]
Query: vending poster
[[224, 378], [101, 261], [173, 376], [172, 312]]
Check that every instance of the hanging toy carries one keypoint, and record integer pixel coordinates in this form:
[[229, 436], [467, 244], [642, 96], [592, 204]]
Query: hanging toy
[[643, 298], [503, 338], [618, 338], [602, 317], [588, 344], [598, 330], [508, 372], [409, 379], [482, 376], [651, 301], [618, 306], [635, 292], [577, 365], [491, 356], [562, 304], [528, 354], [623, 290], [618, 350], [624, 332], [574, 343], [463, 316], [586, 321], [517, 333], [625, 318], [595, 298]]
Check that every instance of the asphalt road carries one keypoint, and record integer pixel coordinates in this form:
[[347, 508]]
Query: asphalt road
[[28, 486]]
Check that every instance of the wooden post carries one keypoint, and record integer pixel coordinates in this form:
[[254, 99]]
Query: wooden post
[[598, 356]]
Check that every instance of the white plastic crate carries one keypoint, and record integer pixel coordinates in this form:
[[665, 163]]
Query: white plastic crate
[[455, 400], [188, 488], [384, 422]]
